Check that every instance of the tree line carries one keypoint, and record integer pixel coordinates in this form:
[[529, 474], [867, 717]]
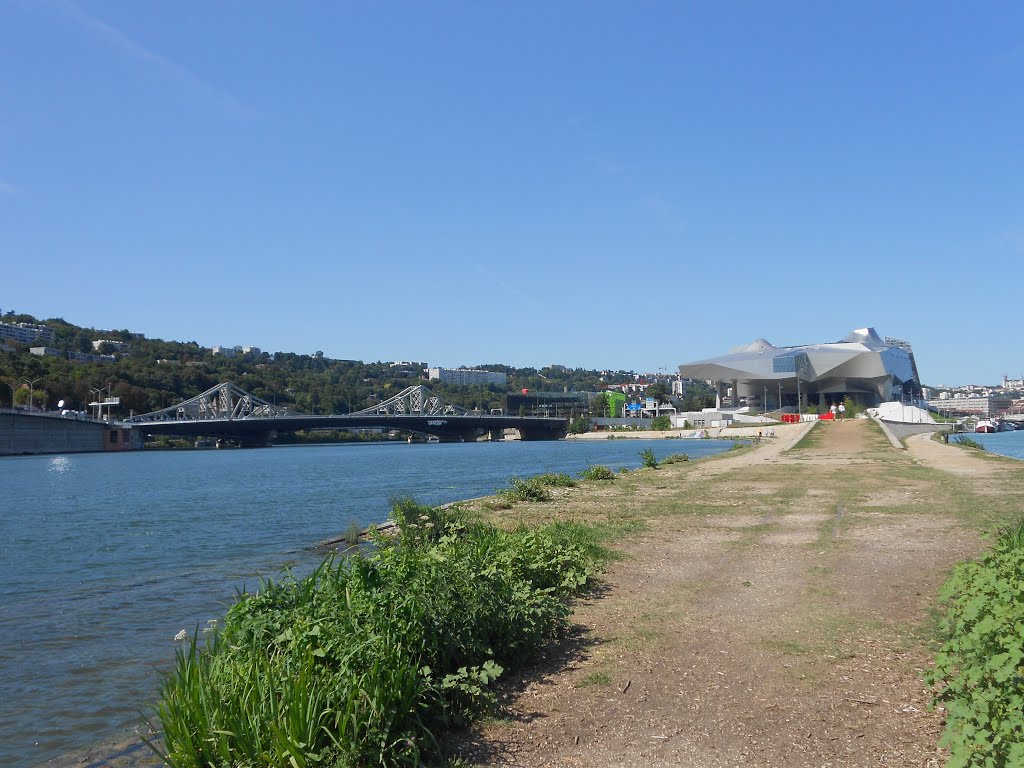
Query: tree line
[[155, 374]]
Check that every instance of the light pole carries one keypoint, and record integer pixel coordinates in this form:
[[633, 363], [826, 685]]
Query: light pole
[[99, 401], [31, 393]]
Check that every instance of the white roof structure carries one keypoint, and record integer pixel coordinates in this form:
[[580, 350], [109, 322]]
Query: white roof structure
[[862, 365]]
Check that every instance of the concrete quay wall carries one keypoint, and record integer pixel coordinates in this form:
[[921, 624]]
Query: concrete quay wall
[[36, 433]]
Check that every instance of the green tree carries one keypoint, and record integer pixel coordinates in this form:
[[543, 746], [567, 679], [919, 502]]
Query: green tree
[[658, 391], [661, 423], [579, 425]]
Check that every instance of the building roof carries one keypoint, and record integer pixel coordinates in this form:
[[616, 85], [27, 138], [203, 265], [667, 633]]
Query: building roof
[[861, 354]]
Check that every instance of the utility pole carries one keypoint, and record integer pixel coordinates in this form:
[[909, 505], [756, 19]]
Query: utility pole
[[31, 393]]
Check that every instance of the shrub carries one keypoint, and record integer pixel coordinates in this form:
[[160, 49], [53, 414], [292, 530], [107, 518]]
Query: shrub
[[980, 666], [967, 442], [370, 659], [524, 490], [555, 480], [661, 423], [648, 458], [579, 425], [675, 458], [597, 472]]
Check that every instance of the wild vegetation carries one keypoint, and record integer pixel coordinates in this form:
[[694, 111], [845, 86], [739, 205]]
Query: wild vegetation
[[979, 669], [154, 373], [649, 460], [372, 659], [597, 472], [968, 442]]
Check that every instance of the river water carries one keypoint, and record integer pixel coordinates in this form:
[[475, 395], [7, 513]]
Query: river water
[[1005, 443], [105, 557]]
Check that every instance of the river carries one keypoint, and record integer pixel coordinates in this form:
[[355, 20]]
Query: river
[[1004, 443], [105, 557]]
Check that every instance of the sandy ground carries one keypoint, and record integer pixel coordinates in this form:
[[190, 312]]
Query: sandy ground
[[776, 611]]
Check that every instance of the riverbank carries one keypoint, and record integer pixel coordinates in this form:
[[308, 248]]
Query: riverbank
[[774, 607], [724, 433]]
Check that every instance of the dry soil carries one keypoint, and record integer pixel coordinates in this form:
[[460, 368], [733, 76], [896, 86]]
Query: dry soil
[[776, 609]]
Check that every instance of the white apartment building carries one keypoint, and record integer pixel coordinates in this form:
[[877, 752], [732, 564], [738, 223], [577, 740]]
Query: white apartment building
[[467, 376], [27, 333], [117, 346]]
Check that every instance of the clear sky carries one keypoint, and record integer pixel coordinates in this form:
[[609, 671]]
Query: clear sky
[[597, 184]]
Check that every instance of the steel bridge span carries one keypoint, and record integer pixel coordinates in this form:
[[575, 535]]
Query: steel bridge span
[[228, 412]]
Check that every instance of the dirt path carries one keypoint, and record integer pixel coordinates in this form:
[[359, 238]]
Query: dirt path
[[773, 612]]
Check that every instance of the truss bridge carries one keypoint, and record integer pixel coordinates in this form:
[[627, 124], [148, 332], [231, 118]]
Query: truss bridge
[[228, 412]]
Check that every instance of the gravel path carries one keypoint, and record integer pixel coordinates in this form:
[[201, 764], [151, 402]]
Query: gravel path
[[775, 611]]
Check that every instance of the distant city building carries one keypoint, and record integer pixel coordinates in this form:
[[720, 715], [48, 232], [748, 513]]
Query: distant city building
[[408, 364], [75, 357], [467, 376], [117, 346], [27, 333], [564, 404], [45, 351], [987, 405], [1009, 383], [85, 357], [252, 351], [225, 351]]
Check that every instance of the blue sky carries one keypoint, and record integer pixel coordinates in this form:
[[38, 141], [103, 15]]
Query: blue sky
[[595, 184]]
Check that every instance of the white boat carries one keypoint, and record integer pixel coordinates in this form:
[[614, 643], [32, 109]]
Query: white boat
[[986, 426]]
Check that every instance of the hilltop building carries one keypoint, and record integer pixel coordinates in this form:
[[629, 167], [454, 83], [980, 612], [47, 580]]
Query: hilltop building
[[117, 346], [27, 333], [862, 366], [467, 376]]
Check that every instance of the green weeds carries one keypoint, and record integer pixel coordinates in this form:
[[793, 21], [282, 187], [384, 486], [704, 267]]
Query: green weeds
[[967, 442], [597, 472], [648, 458], [675, 458], [371, 659], [979, 669]]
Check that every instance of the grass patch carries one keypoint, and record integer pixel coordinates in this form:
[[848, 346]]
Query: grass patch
[[594, 678], [597, 472], [813, 438], [967, 442], [372, 659], [675, 458], [524, 490]]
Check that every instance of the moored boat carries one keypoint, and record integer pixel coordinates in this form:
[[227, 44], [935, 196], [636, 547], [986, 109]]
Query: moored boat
[[986, 426]]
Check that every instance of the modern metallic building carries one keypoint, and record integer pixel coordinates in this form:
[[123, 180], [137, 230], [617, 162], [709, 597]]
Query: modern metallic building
[[863, 366]]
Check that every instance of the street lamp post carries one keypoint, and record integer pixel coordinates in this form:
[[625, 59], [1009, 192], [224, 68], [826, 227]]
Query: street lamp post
[[31, 393], [99, 401]]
